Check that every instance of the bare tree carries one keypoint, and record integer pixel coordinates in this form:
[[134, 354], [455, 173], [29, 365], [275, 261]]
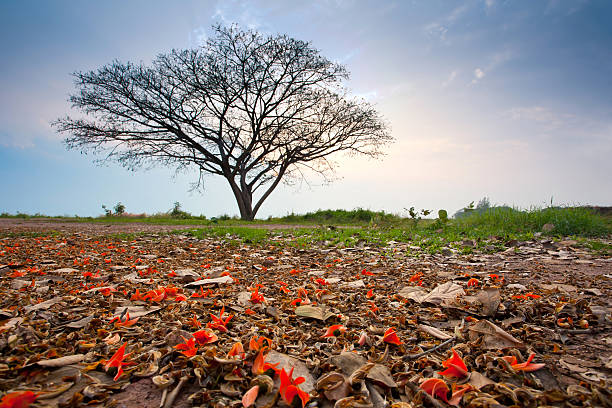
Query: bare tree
[[252, 108]]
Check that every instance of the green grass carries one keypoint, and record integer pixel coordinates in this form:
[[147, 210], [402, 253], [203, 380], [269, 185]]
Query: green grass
[[567, 221], [488, 228]]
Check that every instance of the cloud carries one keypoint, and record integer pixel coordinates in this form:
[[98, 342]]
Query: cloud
[[450, 79], [495, 60], [438, 29]]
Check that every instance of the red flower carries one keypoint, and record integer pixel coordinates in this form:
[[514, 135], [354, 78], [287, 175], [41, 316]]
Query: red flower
[[236, 351], [256, 343], [289, 388], [218, 322], [260, 366], [188, 348], [125, 323], [455, 367], [364, 272], [415, 277], [18, 399], [204, 337], [436, 388], [472, 282], [526, 366], [117, 361], [335, 330], [257, 297], [390, 336], [370, 294], [249, 312], [194, 322]]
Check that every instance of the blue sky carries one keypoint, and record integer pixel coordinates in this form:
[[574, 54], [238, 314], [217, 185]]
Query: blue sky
[[505, 99]]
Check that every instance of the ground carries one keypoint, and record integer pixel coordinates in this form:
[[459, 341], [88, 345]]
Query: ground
[[63, 283]]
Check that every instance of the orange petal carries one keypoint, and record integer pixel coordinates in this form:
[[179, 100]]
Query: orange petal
[[250, 396], [436, 388]]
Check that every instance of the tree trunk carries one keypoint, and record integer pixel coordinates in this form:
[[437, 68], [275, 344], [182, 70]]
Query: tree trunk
[[244, 199]]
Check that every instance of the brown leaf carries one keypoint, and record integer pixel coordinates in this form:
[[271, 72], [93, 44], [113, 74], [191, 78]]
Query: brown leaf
[[490, 299], [313, 312], [61, 361], [494, 338]]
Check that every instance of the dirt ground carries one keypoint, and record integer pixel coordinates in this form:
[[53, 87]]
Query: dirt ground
[[553, 297]]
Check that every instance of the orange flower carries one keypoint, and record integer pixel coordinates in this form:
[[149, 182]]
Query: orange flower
[[188, 348], [364, 272], [296, 302], [455, 367], [137, 296], [117, 361], [125, 323], [526, 366], [236, 350], [321, 281], [390, 336], [458, 391], [415, 277], [194, 322], [18, 399], [289, 388], [256, 343], [472, 282], [436, 388], [335, 330], [218, 322], [257, 297], [249, 397], [249, 312], [204, 337], [260, 366], [370, 294]]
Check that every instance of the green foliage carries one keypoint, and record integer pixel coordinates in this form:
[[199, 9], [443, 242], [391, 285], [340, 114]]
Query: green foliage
[[119, 209], [442, 216], [339, 217], [177, 212], [107, 212]]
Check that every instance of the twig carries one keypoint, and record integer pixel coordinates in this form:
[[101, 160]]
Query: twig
[[172, 396], [431, 350]]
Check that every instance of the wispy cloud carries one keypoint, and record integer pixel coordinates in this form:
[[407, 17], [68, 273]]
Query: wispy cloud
[[438, 29], [495, 60], [450, 79]]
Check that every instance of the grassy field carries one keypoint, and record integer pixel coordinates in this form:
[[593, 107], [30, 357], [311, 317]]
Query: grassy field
[[489, 229]]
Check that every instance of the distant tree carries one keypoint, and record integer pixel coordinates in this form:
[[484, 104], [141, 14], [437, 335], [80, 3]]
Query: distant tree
[[255, 109]]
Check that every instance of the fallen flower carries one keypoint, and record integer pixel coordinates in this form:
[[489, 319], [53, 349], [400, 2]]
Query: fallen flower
[[334, 331], [125, 323], [436, 388], [256, 343], [188, 348], [218, 322], [117, 360], [526, 366], [455, 367], [204, 337], [370, 294], [18, 399], [236, 351], [289, 387], [257, 297], [260, 366], [390, 336], [472, 282]]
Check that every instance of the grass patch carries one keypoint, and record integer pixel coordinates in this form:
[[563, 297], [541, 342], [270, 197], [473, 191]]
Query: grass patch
[[567, 221]]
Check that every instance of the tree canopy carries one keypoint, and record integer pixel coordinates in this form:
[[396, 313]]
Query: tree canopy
[[255, 109]]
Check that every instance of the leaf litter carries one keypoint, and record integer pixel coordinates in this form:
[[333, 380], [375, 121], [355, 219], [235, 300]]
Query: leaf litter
[[171, 320]]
